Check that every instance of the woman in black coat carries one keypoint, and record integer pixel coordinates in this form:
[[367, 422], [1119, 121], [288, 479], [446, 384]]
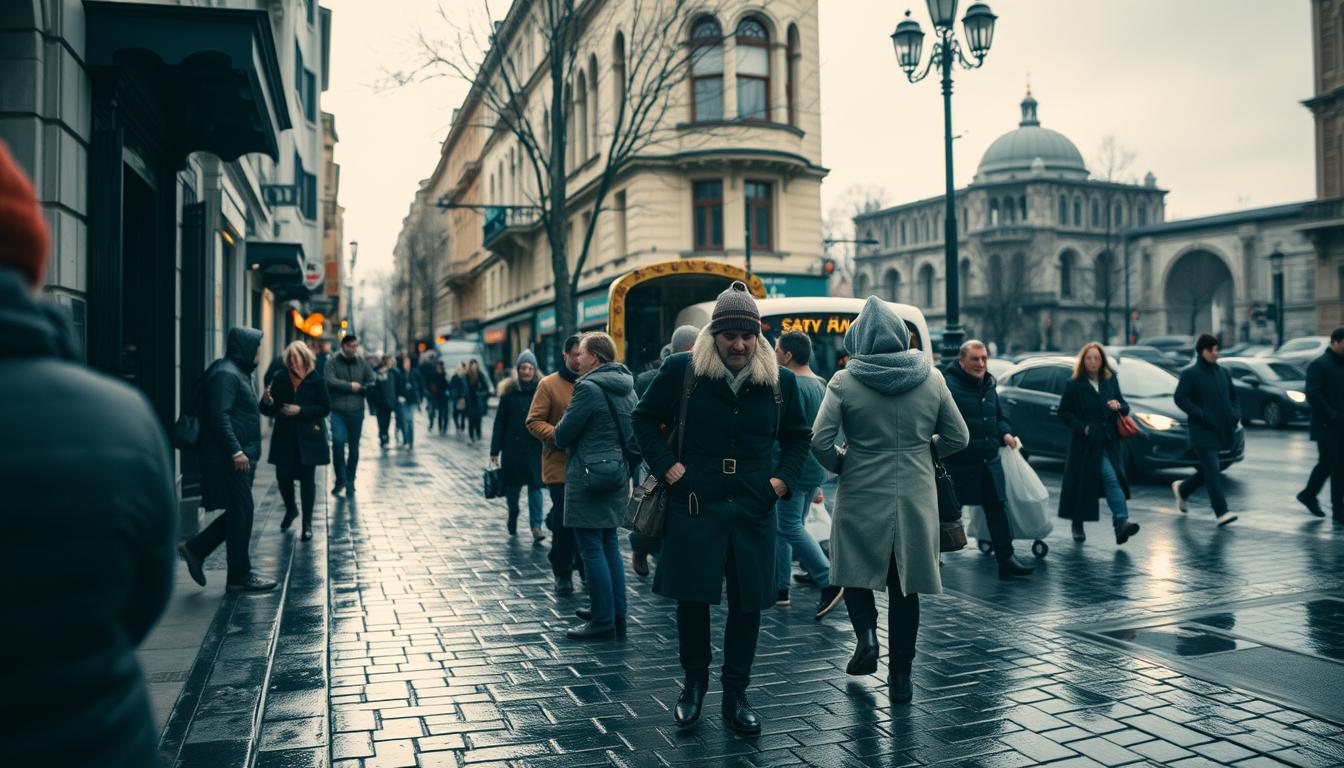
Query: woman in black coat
[[1091, 407], [478, 400], [299, 402], [521, 452]]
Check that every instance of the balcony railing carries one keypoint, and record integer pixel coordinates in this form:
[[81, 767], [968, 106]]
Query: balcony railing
[[1006, 233], [499, 219]]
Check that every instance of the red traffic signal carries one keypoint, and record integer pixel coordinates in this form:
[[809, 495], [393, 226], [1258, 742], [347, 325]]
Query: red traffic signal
[[828, 267]]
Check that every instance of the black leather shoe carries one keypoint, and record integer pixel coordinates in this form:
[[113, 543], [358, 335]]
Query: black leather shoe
[[739, 714], [1011, 566], [194, 564], [254, 583], [587, 615], [591, 631], [692, 696], [900, 687], [864, 660], [1313, 506], [288, 520], [1078, 534], [1124, 531], [564, 585], [336, 491], [307, 534]]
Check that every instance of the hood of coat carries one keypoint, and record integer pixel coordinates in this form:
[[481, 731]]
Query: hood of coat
[[242, 347], [613, 378], [708, 364], [29, 327], [880, 357]]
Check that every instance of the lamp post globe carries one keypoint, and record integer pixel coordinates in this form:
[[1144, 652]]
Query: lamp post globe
[[979, 26], [908, 40], [943, 13]]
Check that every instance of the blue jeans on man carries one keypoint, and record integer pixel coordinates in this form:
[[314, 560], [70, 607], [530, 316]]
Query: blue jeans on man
[[601, 552], [1209, 476], [793, 539], [345, 431]]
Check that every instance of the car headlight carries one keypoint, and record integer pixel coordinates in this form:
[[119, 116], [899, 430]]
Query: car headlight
[[1297, 397], [1157, 421]]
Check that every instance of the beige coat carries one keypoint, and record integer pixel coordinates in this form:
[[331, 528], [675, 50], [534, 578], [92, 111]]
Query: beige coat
[[548, 405], [887, 503]]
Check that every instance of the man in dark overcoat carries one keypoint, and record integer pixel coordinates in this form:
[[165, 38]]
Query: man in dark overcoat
[[1206, 394], [1325, 393], [723, 489]]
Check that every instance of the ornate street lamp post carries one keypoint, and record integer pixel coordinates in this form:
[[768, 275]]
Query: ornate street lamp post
[[908, 40], [1276, 269]]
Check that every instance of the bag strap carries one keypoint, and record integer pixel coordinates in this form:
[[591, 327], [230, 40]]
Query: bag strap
[[687, 387], [616, 421]]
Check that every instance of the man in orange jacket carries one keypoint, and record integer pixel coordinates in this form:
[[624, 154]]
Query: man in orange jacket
[[548, 405]]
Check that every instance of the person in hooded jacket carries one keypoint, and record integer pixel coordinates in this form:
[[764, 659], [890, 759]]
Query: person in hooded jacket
[[90, 519], [383, 398], [477, 395], [408, 387], [891, 404], [299, 402], [596, 428], [521, 465], [230, 449]]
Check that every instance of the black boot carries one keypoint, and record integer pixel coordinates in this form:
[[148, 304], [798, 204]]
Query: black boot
[[290, 515], [564, 585], [1313, 506], [1011, 566], [900, 686], [739, 714], [1124, 530], [864, 660], [591, 631], [692, 696], [1078, 534], [587, 615], [513, 523]]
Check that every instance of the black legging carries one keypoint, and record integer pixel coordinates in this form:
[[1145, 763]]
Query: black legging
[[286, 474], [440, 413], [902, 617], [473, 426]]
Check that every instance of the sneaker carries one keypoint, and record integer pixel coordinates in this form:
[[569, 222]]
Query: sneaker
[[1180, 500], [1225, 518], [782, 599], [830, 598], [1123, 531], [1313, 506]]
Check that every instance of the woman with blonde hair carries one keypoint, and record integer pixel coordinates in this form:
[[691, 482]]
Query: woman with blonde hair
[[1092, 407], [300, 404]]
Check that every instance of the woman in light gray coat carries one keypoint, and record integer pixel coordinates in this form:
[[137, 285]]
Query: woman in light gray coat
[[595, 430], [890, 403]]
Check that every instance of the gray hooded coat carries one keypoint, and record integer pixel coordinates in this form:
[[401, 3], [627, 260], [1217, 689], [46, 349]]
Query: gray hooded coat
[[588, 432], [890, 404]]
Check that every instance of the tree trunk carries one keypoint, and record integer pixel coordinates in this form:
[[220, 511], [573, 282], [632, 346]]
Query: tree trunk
[[557, 225]]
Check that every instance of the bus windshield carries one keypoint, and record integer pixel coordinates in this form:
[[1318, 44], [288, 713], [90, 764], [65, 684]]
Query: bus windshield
[[827, 331]]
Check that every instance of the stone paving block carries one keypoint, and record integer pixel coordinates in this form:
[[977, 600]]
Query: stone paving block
[[1167, 730], [293, 734]]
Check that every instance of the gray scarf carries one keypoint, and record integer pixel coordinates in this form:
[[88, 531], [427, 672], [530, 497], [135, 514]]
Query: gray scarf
[[880, 357]]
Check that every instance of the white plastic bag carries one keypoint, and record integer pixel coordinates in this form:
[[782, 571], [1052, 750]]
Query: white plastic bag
[[1027, 505], [818, 522]]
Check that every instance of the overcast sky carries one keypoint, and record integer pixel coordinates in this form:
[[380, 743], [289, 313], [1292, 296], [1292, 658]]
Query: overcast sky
[[1205, 92]]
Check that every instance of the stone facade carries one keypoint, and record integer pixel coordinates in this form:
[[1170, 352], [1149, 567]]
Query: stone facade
[[1324, 220]]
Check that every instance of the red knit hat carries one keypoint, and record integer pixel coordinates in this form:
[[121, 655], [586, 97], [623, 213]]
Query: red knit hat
[[23, 231]]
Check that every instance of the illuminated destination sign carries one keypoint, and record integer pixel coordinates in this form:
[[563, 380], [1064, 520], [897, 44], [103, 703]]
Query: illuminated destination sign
[[813, 324]]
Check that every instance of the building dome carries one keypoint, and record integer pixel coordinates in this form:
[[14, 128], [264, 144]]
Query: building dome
[[1031, 150]]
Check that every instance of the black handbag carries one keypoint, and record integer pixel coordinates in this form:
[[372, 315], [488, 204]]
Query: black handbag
[[492, 485], [951, 534], [646, 512], [186, 431]]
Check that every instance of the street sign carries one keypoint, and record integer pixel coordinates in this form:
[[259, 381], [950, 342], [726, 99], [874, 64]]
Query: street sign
[[314, 272]]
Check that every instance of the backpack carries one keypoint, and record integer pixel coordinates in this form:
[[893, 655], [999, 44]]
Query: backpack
[[186, 431]]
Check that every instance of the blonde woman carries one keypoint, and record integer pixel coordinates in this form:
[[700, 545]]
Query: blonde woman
[[300, 404]]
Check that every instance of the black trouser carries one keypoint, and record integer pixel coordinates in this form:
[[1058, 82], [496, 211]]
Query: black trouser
[[233, 528], [1000, 532], [304, 474], [902, 617], [459, 416], [384, 416], [739, 636], [473, 426], [1208, 475], [564, 554], [1329, 464], [441, 413]]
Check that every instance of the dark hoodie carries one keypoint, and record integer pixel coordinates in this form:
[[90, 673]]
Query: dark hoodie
[[89, 516], [230, 420]]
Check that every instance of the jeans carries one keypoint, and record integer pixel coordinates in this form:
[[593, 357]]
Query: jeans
[[1115, 495], [406, 422], [459, 416], [345, 430], [233, 528], [602, 563], [740, 631], [1208, 476], [793, 539], [902, 617], [286, 475], [1329, 464], [564, 549], [535, 505]]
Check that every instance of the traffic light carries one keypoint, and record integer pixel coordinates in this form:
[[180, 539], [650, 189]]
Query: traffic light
[[828, 267]]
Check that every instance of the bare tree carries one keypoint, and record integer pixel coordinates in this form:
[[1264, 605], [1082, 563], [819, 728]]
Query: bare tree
[[426, 247], [650, 62], [838, 226], [1112, 165], [1010, 292]]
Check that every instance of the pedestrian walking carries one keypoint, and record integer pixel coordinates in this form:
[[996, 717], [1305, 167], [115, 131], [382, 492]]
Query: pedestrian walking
[[384, 398], [349, 378], [794, 352], [1094, 467], [976, 471], [300, 403], [514, 450], [722, 494], [457, 394], [408, 387], [1206, 394], [890, 404], [230, 449], [548, 405], [596, 433], [426, 370], [1325, 394], [439, 390], [477, 395], [90, 517]]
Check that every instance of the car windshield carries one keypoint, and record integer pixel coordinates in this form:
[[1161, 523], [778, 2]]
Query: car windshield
[[1277, 372], [1299, 345], [1140, 379]]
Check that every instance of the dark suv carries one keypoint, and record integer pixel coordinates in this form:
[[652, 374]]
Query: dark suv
[[1030, 394]]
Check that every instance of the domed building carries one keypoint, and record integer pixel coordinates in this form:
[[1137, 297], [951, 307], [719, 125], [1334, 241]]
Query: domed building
[[1036, 234]]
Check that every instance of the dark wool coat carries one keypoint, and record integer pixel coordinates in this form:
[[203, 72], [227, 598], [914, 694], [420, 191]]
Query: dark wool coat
[[710, 510], [518, 451], [407, 385], [1092, 425], [477, 395], [90, 517], [1206, 394], [978, 401], [230, 420], [588, 433], [300, 439], [1325, 393]]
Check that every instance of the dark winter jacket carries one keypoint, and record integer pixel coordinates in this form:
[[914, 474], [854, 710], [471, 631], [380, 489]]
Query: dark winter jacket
[[978, 402], [300, 439], [407, 385], [1092, 426], [436, 386], [1325, 393], [343, 371], [519, 452], [89, 516], [1206, 394], [230, 420], [384, 395], [588, 433], [477, 394]]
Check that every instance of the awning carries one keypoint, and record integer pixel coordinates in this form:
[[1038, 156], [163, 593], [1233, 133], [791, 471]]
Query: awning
[[290, 292], [277, 263], [215, 71]]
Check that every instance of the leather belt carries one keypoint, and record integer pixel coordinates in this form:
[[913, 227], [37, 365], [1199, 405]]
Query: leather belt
[[727, 466]]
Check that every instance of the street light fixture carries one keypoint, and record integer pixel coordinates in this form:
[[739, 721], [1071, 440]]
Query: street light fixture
[[908, 41], [1276, 268], [350, 284]]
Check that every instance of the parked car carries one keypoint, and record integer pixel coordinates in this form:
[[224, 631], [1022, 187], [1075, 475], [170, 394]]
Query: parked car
[[1179, 349], [1301, 351], [1142, 352], [1018, 357], [998, 367], [1248, 349], [1269, 389], [1031, 391]]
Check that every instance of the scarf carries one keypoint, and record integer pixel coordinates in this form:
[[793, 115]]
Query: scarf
[[568, 375], [879, 355], [295, 381]]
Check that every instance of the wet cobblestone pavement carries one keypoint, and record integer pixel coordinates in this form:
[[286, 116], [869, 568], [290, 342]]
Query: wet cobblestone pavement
[[1190, 647]]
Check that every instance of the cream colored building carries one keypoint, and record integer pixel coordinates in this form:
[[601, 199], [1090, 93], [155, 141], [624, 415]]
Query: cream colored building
[[751, 138]]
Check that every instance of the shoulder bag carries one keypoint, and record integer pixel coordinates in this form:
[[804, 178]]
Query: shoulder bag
[[951, 534], [608, 472], [646, 512], [186, 431]]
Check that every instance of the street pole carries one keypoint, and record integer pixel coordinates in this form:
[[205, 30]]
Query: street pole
[[952, 331], [746, 205], [350, 284], [1129, 312]]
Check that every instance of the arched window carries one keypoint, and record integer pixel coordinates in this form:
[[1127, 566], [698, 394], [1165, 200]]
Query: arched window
[[1063, 211], [581, 119], [1118, 216], [926, 285], [793, 56], [994, 213], [706, 70], [1022, 209], [1143, 215], [964, 279], [1096, 214], [902, 234], [996, 273], [595, 125], [1077, 212], [861, 286], [1008, 210], [617, 79], [1066, 264], [1101, 276], [753, 70], [891, 285]]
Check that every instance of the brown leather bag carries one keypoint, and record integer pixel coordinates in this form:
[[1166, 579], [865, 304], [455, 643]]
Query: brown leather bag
[[646, 512]]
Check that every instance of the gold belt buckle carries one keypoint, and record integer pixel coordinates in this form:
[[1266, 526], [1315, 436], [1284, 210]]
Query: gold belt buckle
[[730, 466]]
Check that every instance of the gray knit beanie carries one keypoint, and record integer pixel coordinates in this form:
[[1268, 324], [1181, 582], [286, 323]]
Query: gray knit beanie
[[735, 310], [526, 357], [684, 338]]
